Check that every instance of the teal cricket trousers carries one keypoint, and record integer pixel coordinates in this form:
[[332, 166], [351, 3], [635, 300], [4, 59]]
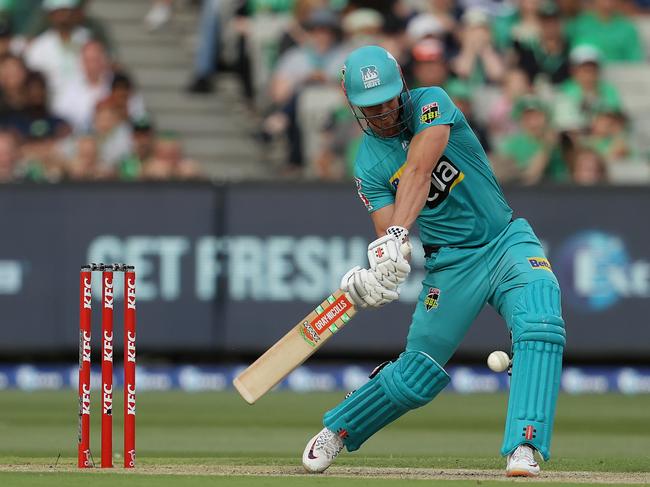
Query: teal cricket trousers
[[460, 281]]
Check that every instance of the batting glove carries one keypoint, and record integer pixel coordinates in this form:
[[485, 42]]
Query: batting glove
[[366, 290], [388, 256]]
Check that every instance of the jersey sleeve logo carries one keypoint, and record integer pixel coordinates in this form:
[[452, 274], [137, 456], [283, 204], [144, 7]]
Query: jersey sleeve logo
[[540, 263], [444, 178], [430, 112], [364, 199]]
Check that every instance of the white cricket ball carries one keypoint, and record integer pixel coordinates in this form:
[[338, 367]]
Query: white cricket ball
[[498, 361]]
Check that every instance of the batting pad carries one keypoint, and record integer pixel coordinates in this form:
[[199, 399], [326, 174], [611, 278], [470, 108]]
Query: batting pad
[[538, 342], [411, 381]]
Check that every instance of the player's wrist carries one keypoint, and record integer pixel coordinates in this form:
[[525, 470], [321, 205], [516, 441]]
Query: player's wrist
[[402, 236], [399, 232]]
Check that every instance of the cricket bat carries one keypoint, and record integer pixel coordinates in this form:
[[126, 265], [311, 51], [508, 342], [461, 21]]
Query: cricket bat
[[295, 347]]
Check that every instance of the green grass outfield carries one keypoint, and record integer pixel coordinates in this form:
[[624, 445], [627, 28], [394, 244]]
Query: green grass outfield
[[217, 439]]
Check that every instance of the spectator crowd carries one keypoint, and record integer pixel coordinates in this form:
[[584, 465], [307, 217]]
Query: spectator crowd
[[68, 109], [530, 76], [536, 79]]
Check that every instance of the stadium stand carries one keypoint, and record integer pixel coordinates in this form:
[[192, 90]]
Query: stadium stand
[[216, 130], [268, 104]]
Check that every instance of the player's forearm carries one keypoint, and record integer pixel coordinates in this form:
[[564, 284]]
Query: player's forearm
[[411, 196], [415, 182]]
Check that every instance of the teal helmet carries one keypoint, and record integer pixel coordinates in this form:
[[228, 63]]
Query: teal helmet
[[372, 76]]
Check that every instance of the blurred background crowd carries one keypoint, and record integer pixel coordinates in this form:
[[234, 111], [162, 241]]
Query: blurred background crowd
[[556, 90], [68, 109]]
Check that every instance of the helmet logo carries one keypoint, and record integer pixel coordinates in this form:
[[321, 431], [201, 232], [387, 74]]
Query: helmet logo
[[370, 76]]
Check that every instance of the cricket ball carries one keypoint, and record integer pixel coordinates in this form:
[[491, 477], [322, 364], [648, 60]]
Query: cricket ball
[[498, 361]]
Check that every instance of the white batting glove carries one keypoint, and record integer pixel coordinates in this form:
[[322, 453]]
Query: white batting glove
[[366, 290], [402, 236], [388, 256]]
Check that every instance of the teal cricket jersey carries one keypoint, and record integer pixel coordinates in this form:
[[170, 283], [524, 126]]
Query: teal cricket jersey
[[465, 206]]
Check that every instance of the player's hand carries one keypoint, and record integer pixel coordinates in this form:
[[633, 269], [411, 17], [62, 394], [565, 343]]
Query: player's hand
[[388, 255], [366, 290]]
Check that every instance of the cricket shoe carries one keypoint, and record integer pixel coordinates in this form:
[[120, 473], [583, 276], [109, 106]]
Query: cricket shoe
[[522, 463], [321, 451]]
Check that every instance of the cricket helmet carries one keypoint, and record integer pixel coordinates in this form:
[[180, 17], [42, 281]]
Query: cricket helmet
[[372, 76]]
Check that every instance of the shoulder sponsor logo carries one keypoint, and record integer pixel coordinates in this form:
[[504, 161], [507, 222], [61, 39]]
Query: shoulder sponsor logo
[[431, 301], [370, 76], [429, 112], [540, 263], [364, 199]]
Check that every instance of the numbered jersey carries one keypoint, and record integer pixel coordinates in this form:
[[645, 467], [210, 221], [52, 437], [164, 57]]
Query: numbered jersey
[[465, 206]]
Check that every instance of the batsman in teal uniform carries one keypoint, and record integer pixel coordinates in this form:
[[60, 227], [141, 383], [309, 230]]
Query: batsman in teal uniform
[[420, 162]]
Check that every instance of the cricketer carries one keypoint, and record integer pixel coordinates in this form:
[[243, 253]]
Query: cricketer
[[420, 161]]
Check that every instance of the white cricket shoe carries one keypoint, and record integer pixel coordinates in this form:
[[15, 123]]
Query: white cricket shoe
[[321, 451], [522, 463]]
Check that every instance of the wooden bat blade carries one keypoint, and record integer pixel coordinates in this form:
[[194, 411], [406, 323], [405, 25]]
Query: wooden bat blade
[[295, 347], [243, 391]]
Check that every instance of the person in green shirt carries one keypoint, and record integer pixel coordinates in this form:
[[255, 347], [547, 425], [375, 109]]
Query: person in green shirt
[[533, 153], [586, 89], [547, 59], [519, 22], [608, 134], [478, 60], [41, 161], [608, 29], [143, 137]]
